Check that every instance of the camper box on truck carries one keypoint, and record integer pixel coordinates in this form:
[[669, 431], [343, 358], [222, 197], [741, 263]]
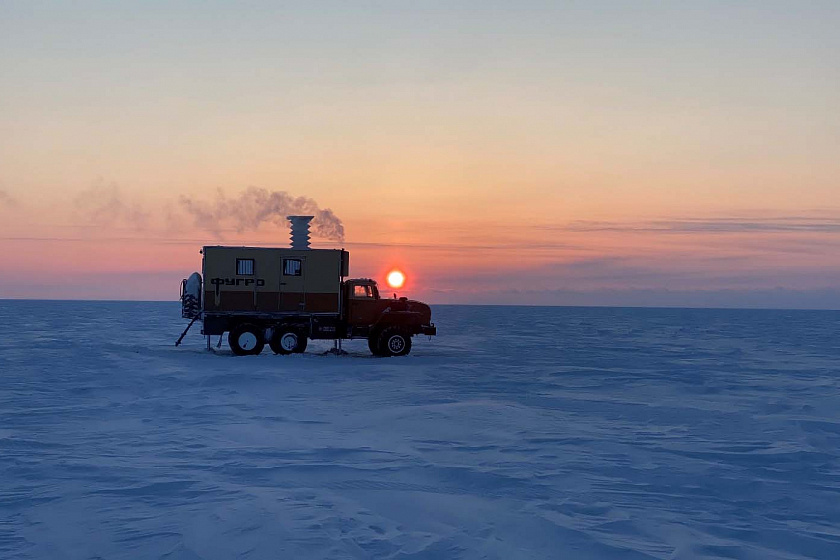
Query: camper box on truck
[[248, 279]]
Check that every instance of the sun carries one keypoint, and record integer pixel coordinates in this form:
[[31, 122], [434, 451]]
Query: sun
[[396, 279]]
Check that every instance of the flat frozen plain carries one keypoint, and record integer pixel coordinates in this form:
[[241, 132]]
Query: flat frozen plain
[[516, 433]]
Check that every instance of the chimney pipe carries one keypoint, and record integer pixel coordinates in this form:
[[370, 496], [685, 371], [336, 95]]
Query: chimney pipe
[[300, 231]]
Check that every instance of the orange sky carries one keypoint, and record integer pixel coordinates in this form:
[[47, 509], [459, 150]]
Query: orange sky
[[500, 154]]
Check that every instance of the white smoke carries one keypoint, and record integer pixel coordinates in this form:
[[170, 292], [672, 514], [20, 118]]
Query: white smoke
[[256, 206], [104, 204], [6, 199]]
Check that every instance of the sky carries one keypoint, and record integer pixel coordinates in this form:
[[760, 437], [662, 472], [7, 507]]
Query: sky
[[571, 153]]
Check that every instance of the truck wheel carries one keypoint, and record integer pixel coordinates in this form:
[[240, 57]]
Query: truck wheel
[[246, 340], [394, 342], [287, 341]]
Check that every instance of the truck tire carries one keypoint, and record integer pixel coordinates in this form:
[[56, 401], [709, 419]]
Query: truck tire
[[394, 342], [246, 340], [287, 341]]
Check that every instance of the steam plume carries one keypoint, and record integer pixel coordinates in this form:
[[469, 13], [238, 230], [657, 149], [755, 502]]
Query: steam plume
[[6, 199], [104, 204], [256, 206]]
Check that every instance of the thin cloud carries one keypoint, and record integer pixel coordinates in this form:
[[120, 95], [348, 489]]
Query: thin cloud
[[523, 246], [773, 298], [784, 224], [104, 204], [692, 271], [373, 245], [7, 200]]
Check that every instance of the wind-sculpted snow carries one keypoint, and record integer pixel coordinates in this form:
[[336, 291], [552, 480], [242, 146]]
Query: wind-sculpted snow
[[516, 433]]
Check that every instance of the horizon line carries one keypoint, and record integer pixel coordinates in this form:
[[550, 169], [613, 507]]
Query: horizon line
[[675, 307]]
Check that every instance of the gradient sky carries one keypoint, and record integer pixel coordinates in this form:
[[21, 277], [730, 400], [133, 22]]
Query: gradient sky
[[621, 153]]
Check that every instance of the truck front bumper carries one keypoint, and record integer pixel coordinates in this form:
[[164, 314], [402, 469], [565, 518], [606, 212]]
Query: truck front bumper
[[429, 330]]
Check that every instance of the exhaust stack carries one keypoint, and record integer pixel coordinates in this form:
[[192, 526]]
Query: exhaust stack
[[300, 231]]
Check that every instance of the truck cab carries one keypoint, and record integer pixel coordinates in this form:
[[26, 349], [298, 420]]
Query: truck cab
[[362, 303], [387, 323]]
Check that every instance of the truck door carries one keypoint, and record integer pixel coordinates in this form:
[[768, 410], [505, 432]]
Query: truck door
[[364, 308], [292, 284]]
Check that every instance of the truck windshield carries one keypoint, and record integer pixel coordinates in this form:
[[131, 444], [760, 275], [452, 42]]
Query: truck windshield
[[363, 292]]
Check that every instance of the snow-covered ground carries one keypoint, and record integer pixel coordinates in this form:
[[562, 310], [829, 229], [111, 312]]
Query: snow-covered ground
[[516, 433]]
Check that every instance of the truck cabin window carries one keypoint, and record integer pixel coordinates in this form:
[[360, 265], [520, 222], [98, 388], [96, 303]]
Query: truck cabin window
[[362, 292], [244, 267], [291, 267]]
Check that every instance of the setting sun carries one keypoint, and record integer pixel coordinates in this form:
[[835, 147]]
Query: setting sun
[[396, 279]]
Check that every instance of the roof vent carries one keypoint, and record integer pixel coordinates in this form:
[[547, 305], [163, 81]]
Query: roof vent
[[300, 231]]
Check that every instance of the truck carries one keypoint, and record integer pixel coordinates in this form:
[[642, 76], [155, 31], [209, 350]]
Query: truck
[[284, 297]]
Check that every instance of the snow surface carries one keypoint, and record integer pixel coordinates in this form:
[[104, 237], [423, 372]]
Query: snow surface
[[516, 433]]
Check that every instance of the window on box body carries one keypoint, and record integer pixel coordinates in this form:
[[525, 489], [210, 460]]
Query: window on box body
[[244, 267], [292, 267]]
